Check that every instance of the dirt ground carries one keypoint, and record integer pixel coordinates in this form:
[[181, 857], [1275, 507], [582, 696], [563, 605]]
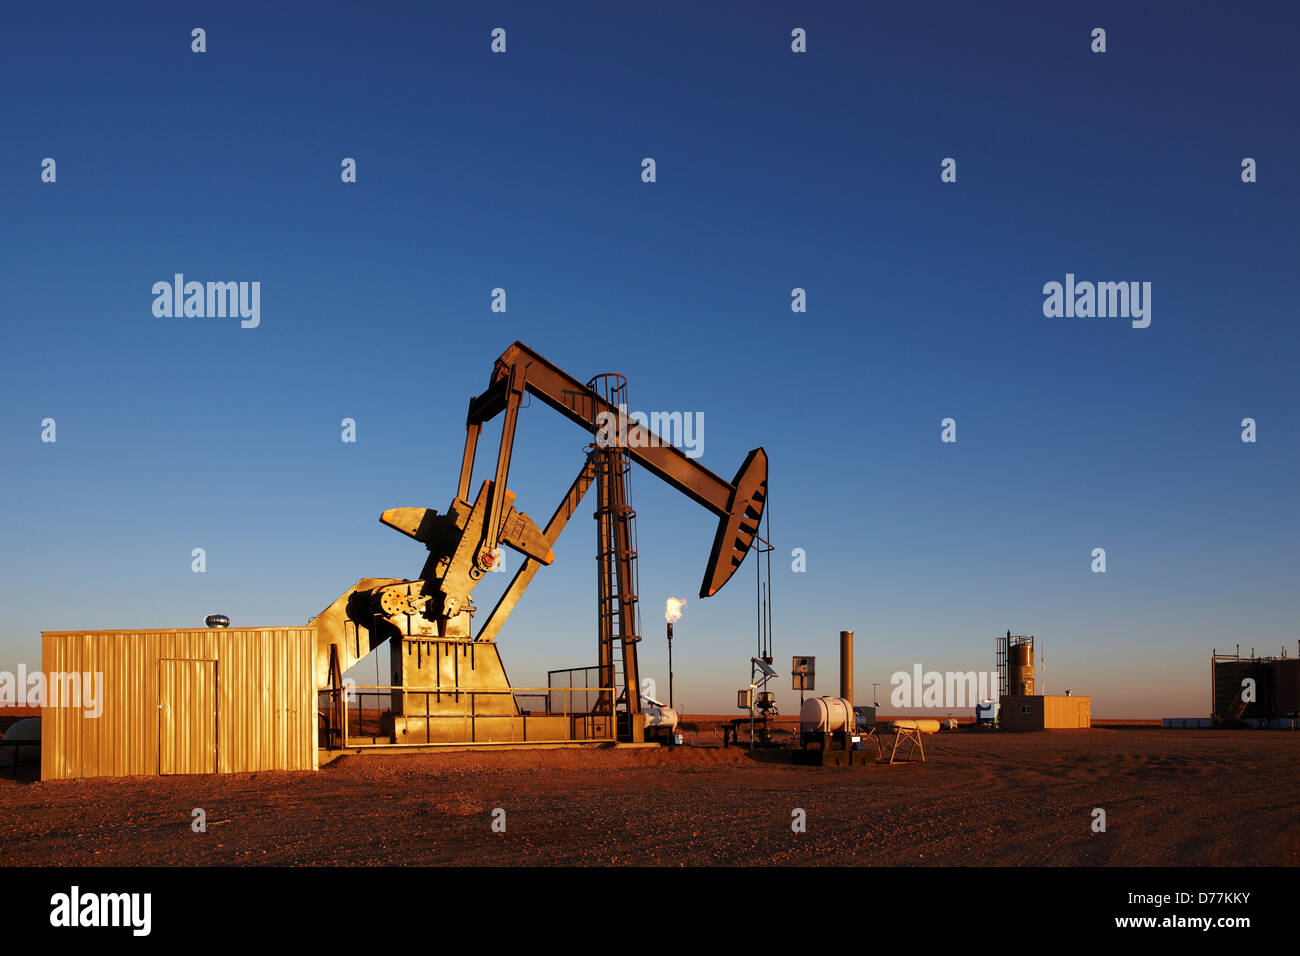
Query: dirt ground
[[1170, 797]]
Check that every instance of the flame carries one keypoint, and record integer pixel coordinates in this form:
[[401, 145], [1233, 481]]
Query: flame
[[673, 609]]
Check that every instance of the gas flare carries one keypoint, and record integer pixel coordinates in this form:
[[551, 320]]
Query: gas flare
[[673, 609]]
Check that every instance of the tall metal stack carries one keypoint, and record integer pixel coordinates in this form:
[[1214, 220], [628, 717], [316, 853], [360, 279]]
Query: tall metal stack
[[846, 666]]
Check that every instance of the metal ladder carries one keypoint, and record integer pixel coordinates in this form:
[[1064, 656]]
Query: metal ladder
[[1000, 654], [1239, 705], [618, 612]]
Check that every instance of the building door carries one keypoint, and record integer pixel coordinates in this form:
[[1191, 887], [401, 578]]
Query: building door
[[187, 716]]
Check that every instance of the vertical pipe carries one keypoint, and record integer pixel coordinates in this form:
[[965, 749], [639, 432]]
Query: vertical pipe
[[846, 666], [767, 513], [670, 664]]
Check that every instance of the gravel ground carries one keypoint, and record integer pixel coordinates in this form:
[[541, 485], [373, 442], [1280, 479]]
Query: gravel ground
[[1170, 797]]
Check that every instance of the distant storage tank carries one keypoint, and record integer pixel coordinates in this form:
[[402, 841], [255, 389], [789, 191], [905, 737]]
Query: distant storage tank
[[29, 728], [1229, 676], [1286, 687], [826, 715], [1020, 666], [1276, 687], [924, 726]]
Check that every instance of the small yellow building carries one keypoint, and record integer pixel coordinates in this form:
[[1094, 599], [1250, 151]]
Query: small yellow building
[[1045, 713], [209, 700]]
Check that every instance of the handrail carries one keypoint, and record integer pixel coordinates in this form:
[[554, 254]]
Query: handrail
[[445, 689], [352, 698]]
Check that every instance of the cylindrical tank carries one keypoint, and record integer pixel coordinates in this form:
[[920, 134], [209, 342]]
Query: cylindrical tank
[[826, 715], [29, 728], [1020, 669], [657, 715], [846, 666], [924, 726]]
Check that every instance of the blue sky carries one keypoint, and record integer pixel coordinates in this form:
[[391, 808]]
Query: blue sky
[[775, 170]]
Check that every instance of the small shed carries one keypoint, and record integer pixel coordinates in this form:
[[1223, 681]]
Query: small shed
[[208, 700], [1040, 712]]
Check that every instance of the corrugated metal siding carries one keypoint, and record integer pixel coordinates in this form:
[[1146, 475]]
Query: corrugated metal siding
[[261, 680], [1067, 713], [187, 719], [1045, 713]]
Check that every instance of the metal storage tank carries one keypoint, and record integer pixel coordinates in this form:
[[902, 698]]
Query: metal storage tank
[[924, 725], [29, 728], [826, 715], [1020, 666], [1228, 677], [1286, 687], [209, 700]]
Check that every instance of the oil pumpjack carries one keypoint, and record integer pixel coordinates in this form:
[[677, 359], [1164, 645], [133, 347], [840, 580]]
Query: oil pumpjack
[[449, 685]]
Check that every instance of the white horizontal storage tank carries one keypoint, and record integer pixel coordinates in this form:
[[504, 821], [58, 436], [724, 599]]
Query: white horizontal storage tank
[[658, 715], [924, 726], [826, 715], [21, 731]]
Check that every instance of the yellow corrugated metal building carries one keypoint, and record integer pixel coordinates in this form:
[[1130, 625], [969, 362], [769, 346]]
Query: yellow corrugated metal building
[[211, 700], [1018, 712]]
